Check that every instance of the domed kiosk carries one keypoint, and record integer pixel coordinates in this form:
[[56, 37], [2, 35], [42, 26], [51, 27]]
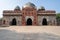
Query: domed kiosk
[[17, 8], [41, 8]]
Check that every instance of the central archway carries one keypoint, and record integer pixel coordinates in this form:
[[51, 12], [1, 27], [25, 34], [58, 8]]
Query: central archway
[[14, 22], [44, 22], [29, 21]]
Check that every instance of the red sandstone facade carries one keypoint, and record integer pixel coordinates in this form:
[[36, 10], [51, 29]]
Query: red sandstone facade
[[29, 12]]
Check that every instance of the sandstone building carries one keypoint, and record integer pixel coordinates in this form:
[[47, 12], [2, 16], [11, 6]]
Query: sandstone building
[[29, 15]]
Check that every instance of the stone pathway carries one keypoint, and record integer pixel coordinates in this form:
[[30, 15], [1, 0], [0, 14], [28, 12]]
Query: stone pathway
[[30, 33]]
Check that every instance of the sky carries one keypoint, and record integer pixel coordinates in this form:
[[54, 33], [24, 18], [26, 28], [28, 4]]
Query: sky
[[11, 4]]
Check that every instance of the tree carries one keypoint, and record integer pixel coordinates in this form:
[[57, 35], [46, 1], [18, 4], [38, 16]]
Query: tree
[[58, 15], [58, 18]]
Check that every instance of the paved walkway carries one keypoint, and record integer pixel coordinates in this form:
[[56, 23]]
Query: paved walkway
[[30, 33]]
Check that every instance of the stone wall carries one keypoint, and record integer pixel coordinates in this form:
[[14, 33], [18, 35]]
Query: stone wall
[[9, 19], [51, 20]]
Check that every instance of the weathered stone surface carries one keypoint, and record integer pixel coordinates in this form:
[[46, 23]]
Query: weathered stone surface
[[30, 33]]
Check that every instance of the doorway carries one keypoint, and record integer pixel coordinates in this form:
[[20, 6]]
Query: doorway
[[29, 21], [14, 22], [44, 22]]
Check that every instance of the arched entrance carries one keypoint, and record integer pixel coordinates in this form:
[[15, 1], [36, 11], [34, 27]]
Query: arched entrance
[[44, 22], [14, 22], [29, 21]]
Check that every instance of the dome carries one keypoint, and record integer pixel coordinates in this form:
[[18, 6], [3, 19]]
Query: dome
[[17, 8], [29, 4], [42, 8]]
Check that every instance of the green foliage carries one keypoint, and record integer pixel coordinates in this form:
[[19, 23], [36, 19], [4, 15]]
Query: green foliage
[[58, 16]]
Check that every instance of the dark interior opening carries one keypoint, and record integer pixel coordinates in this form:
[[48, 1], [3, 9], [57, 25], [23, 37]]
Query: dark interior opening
[[29, 21], [14, 21], [44, 22]]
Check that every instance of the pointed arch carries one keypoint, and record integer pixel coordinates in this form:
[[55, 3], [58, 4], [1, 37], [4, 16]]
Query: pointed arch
[[44, 22], [29, 21], [4, 21], [13, 21]]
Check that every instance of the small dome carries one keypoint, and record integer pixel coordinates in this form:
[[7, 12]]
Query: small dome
[[29, 4], [42, 8], [17, 8]]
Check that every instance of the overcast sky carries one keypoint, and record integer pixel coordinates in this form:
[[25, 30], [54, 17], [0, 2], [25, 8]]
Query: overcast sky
[[11, 4]]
